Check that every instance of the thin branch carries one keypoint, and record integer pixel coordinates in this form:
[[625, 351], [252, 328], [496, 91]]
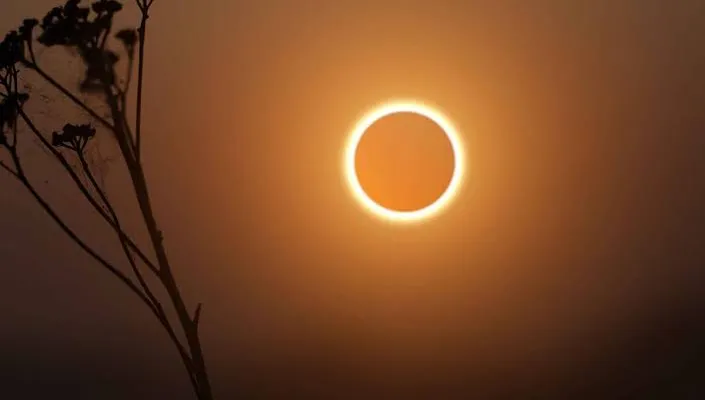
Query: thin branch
[[17, 105], [158, 309], [9, 170], [185, 357], [22, 178], [106, 35], [72, 235], [144, 5], [123, 93], [121, 132], [65, 164], [122, 100], [201, 380], [113, 214], [197, 315], [126, 89], [70, 95], [129, 73], [130, 148], [140, 75], [30, 49]]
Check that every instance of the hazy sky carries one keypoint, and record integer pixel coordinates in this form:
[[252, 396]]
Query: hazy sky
[[572, 261]]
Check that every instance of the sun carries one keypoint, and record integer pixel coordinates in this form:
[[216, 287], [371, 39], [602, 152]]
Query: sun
[[386, 109]]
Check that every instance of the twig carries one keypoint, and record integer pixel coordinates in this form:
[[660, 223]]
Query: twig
[[17, 106], [159, 310], [64, 163], [22, 178], [113, 214], [197, 315], [8, 169], [185, 357], [155, 308], [35, 67], [140, 75]]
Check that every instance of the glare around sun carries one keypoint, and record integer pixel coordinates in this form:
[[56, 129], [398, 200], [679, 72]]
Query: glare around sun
[[386, 109]]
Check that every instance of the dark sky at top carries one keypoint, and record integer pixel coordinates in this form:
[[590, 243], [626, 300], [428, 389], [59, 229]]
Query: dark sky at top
[[571, 264]]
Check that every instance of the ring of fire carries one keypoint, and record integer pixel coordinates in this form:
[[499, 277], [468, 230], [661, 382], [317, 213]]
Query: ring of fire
[[359, 130]]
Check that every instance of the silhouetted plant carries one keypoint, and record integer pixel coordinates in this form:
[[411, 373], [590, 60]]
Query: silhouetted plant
[[86, 30]]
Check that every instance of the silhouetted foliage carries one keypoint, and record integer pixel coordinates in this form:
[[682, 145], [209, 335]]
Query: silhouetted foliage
[[73, 137], [9, 110], [86, 30], [11, 50], [128, 37], [75, 26]]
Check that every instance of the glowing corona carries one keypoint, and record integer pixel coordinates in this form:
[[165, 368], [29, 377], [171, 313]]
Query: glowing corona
[[359, 130]]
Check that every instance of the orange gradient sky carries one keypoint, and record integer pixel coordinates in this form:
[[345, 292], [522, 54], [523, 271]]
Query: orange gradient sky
[[582, 218]]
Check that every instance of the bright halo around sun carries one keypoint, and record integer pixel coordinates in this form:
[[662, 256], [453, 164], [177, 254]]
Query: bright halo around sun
[[386, 109]]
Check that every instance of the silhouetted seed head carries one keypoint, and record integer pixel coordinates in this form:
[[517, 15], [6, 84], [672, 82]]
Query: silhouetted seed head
[[56, 139], [128, 37], [107, 6], [25, 31], [74, 137], [72, 25], [11, 49]]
